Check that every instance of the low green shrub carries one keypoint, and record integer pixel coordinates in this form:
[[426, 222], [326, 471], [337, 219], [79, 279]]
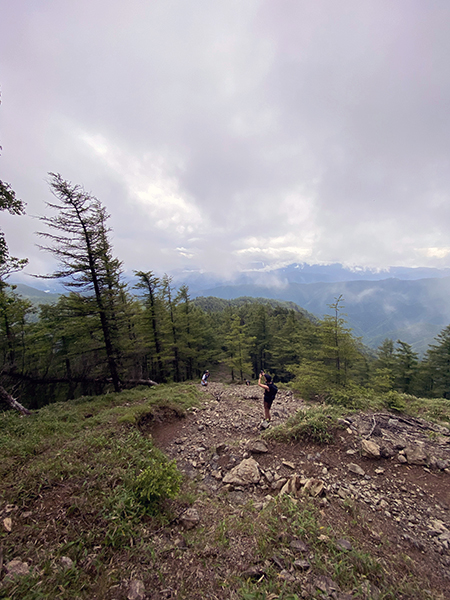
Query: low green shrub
[[315, 425], [354, 397], [394, 401], [160, 480]]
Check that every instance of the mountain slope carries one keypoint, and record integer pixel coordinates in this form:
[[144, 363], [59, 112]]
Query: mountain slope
[[414, 311]]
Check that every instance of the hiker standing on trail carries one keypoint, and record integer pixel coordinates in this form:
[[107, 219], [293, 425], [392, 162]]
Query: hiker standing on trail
[[204, 380], [270, 391]]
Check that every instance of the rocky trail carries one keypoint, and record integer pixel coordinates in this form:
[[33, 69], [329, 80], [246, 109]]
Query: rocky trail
[[386, 477]]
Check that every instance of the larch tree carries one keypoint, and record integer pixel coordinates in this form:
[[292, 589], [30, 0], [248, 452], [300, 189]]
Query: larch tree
[[78, 238], [10, 305], [406, 367], [169, 302], [150, 284], [437, 365]]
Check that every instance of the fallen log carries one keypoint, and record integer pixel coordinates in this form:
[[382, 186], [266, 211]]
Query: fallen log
[[13, 403]]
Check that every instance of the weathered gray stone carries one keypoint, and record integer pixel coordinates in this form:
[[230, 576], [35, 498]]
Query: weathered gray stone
[[325, 584], [299, 546], [442, 464], [289, 488], [278, 484], [370, 449], [254, 572], [245, 473], [66, 562], [136, 590], [313, 487], [286, 576], [344, 545], [257, 447], [416, 455], [16, 568], [190, 518], [356, 469], [387, 450], [302, 564]]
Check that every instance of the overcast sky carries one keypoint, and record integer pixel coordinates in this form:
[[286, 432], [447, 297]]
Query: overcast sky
[[222, 135]]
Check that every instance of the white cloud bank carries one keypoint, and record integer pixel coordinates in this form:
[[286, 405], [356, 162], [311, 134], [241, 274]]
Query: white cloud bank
[[220, 134]]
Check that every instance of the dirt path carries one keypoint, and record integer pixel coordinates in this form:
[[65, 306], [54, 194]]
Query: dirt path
[[389, 506]]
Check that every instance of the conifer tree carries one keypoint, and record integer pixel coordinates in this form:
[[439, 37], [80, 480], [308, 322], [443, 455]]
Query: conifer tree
[[78, 238], [382, 373], [172, 332], [10, 304], [406, 367], [338, 345], [437, 365], [150, 284], [237, 347]]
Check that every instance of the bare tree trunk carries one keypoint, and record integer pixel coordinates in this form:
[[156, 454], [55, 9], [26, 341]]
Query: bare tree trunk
[[13, 403]]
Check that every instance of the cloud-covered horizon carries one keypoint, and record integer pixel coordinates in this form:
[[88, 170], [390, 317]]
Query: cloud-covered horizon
[[218, 135]]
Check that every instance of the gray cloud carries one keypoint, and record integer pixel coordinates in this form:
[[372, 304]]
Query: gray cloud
[[220, 134]]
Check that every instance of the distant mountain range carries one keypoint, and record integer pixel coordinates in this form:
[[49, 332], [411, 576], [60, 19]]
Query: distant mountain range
[[399, 303], [410, 304], [303, 273]]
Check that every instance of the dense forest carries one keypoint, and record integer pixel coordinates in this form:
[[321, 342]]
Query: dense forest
[[103, 334]]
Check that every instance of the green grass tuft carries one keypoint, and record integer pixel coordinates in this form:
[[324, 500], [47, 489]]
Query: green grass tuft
[[315, 424]]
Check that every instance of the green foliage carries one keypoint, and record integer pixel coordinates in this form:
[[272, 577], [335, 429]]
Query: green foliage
[[354, 397], [79, 426], [113, 477], [311, 379], [285, 519], [381, 380], [405, 368], [88, 459], [394, 401], [315, 424], [437, 366], [10, 203], [237, 345], [158, 481]]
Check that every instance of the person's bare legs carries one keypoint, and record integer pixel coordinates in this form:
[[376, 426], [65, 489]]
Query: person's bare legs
[[267, 411]]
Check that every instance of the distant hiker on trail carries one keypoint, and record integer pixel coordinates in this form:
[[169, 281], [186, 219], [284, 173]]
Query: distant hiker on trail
[[204, 380], [270, 391]]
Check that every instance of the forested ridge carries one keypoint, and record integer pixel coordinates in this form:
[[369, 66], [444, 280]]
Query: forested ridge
[[103, 333]]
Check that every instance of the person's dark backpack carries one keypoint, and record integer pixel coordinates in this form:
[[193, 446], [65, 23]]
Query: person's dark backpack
[[273, 390]]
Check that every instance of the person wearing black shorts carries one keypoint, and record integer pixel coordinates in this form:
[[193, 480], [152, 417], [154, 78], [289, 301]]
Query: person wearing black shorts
[[268, 394]]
